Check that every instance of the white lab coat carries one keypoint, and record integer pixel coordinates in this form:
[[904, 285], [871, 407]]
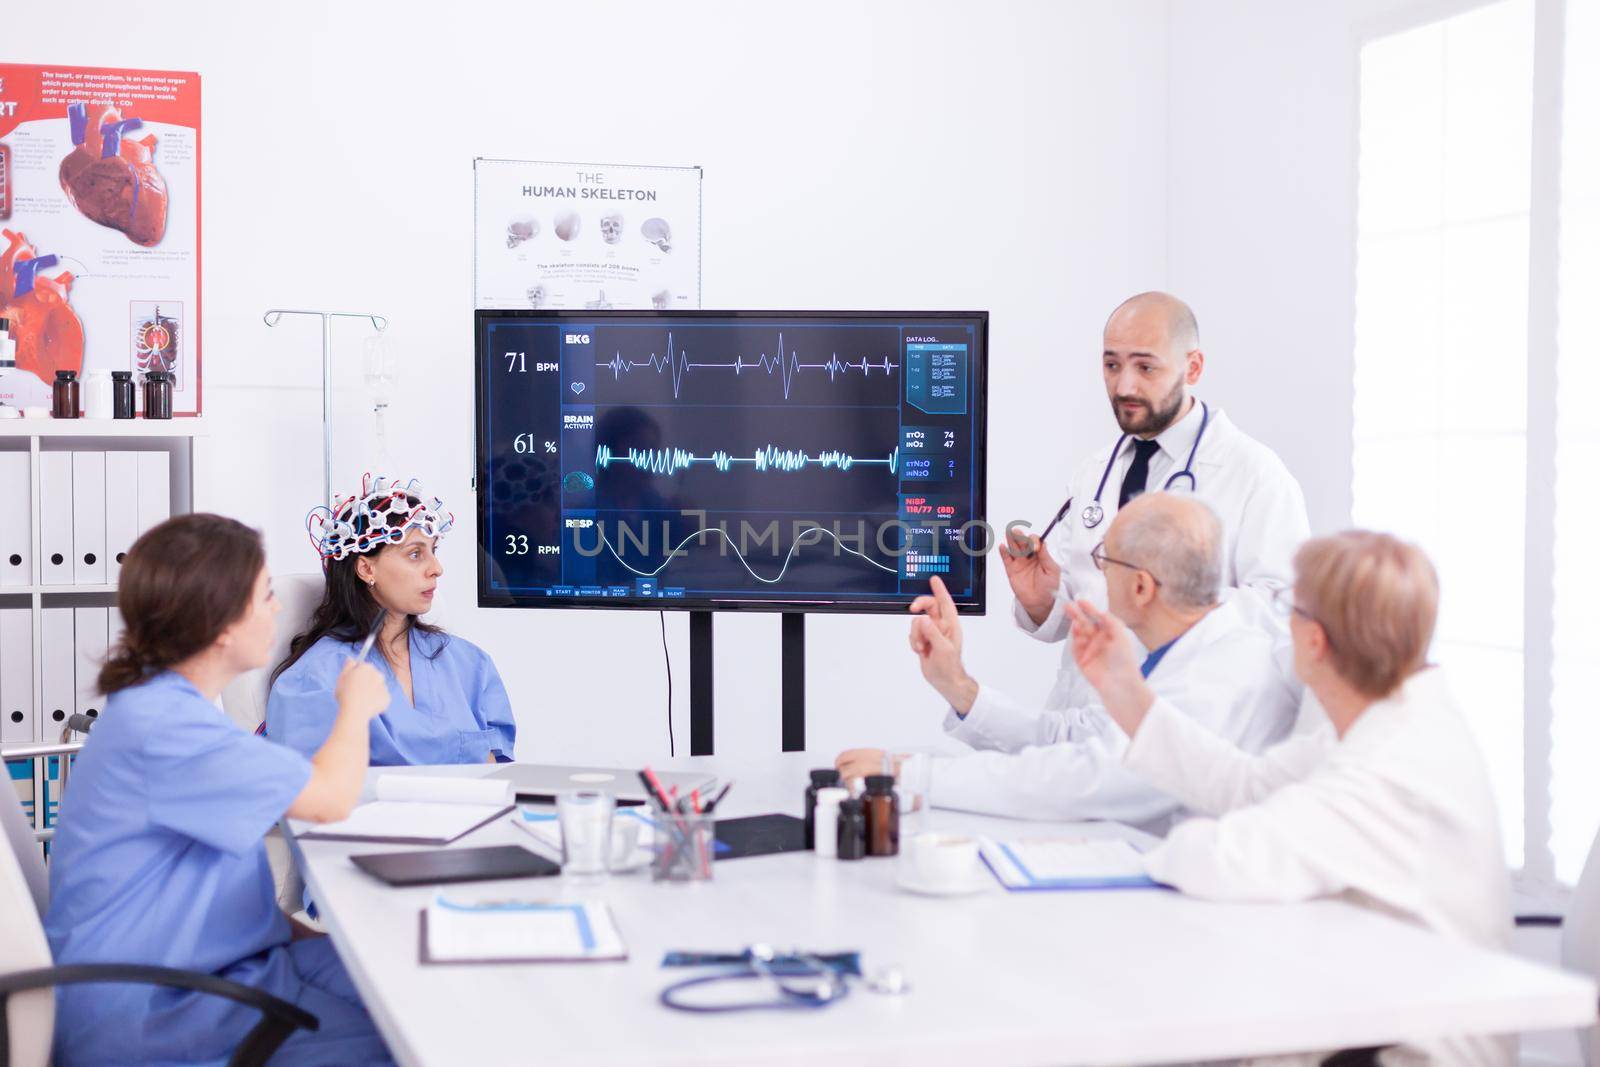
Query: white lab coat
[[1398, 817], [1262, 509], [1067, 763]]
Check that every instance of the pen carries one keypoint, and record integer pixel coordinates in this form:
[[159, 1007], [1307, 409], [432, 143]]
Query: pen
[[653, 788], [372, 635], [710, 807], [1053, 523]]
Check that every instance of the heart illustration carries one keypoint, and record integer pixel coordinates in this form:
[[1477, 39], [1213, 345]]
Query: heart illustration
[[577, 387]]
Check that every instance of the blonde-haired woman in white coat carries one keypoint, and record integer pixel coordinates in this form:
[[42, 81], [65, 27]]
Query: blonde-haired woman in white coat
[[1388, 808]]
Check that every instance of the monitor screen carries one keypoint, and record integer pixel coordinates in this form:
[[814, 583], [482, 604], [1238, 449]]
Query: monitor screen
[[779, 461]]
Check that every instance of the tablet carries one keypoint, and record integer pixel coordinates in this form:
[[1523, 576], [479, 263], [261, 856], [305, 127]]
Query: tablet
[[759, 835], [436, 866]]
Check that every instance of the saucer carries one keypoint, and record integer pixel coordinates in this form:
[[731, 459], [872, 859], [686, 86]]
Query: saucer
[[976, 882]]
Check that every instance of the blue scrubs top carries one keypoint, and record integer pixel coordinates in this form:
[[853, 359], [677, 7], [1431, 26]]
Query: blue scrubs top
[[461, 714], [158, 859]]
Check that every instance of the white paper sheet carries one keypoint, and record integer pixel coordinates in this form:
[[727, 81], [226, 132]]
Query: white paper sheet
[[400, 820], [1064, 863], [464, 930]]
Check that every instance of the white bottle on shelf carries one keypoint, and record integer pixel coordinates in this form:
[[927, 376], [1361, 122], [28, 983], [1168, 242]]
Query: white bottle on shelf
[[97, 395]]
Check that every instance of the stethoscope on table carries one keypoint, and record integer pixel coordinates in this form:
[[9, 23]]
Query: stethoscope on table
[[821, 979], [1094, 514]]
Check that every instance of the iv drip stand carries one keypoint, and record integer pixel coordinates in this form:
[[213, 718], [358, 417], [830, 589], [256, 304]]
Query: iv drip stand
[[379, 323]]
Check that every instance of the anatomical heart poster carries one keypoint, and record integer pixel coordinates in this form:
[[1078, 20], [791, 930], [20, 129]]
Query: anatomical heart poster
[[586, 235], [100, 227]]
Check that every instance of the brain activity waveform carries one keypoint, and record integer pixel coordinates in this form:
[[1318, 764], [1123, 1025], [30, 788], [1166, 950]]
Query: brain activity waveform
[[769, 458], [678, 362]]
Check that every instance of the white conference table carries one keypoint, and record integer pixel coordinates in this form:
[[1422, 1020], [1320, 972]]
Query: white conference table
[[1110, 977]]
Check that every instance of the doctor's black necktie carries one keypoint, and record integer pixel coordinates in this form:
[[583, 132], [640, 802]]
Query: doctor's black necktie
[[1138, 471]]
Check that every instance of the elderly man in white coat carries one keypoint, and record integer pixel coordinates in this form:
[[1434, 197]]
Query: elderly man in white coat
[[1388, 807], [1171, 439], [1162, 557]]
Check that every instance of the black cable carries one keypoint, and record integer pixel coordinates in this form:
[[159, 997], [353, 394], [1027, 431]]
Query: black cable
[[672, 746]]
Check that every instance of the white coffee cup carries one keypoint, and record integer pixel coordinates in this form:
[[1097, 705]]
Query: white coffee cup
[[939, 861]]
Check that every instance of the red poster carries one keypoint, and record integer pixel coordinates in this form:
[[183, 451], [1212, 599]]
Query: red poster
[[100, 226]]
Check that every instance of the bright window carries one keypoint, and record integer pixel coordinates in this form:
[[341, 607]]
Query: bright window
[[1441, 346], [1575, 722]]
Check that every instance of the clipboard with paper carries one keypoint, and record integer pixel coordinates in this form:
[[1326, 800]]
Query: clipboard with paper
[[518, 931], [1065, 863]]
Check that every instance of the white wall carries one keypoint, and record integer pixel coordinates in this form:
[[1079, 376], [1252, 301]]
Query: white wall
[[1039, 160], [1261, 222]]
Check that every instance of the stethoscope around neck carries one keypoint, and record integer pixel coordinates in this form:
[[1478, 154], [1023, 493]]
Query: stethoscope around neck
[[1094, 514]]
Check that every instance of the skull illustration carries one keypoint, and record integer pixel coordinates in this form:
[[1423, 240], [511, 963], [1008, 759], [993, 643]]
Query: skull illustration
[[658, 233], [611, 229], [523, 228], [567, 225], [537, 296]]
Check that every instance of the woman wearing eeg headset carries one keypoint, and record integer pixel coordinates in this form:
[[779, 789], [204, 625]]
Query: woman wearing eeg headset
[[447, 703]]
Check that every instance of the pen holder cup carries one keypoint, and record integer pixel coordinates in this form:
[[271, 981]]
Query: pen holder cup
[[683, 848]]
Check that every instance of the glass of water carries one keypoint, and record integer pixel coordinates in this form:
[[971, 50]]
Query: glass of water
[[585, 818]]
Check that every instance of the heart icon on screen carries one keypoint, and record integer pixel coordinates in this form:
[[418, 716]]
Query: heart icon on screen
[[577, 387]]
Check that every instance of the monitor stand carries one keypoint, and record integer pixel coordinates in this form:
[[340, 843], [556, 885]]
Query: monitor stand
[[702, 668]]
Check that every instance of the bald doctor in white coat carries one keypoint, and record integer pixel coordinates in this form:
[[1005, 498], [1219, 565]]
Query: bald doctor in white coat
[[1170, 440]]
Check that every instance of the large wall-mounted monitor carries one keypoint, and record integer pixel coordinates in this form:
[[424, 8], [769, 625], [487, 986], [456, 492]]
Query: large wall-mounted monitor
[[768, 461]]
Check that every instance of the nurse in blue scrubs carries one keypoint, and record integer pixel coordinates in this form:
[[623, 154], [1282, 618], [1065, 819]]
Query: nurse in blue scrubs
[[446, 701], [158, 855]]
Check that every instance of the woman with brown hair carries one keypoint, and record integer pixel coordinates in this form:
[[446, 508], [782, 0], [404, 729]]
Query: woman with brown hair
[[158, 856], [1387, 807]]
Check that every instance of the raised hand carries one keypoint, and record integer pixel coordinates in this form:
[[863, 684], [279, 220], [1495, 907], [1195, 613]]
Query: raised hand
[[936, 639], [361, 690], [938, 609], [1032, 571], [1104, 651]]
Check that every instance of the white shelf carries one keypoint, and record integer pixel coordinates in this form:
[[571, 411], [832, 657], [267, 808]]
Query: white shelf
[[52, 590], [48, 440], [25, 428]]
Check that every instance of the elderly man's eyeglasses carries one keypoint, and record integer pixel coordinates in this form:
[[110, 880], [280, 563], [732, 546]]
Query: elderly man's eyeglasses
[[1098, 554]]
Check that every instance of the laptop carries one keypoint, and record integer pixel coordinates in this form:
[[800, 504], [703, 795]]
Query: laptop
[[542, 781]]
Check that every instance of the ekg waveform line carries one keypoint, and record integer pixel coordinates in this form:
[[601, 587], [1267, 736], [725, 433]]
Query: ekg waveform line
[[770, 458], [679, 363], [798, 541]]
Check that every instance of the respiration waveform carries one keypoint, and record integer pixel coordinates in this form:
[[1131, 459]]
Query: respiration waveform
[[769, 458], [678, 362], [788, 559]]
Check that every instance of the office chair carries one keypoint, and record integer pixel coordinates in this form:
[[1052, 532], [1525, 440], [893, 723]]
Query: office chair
[[245, 701], [27, 976]]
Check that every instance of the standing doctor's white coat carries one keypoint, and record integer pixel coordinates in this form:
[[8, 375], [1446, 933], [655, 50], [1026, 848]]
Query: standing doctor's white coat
[[1260, 505], [1067, 763]]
